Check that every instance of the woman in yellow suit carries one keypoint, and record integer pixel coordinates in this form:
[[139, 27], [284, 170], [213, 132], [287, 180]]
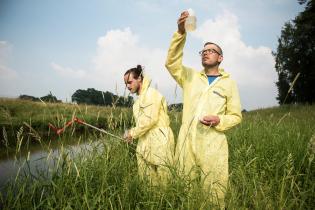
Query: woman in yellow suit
[[155, 138]]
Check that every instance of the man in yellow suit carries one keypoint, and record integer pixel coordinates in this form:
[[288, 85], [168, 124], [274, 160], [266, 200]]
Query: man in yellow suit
[[155, 146], [211, 106]]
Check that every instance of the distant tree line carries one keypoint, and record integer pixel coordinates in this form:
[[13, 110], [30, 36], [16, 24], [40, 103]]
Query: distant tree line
[[48, 98], [89, 96], [96, 97], [175, 107]]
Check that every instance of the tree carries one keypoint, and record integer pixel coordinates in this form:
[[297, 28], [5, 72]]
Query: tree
[[296, 54], [50, 98], [27, 97], [175, 107], [96, 97]]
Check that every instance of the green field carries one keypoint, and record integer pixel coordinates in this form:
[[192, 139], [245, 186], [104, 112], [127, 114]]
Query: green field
[[271, 166]]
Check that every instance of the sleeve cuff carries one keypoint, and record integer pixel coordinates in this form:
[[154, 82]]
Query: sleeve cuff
[[179, 35]]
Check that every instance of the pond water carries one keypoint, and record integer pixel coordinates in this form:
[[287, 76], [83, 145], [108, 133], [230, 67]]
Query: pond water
[[37, 159]]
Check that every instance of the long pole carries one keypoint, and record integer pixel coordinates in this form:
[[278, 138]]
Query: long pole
[[96, 128]]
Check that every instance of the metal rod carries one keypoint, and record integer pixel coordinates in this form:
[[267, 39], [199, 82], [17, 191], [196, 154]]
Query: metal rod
[[101, 130]]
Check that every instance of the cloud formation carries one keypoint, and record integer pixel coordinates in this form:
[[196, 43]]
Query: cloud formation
[[117, 51], [121, 49], [5, 71], [68, 72], [252, 68]]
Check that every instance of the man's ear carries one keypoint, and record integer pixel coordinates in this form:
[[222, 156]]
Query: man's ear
[[220, 58]]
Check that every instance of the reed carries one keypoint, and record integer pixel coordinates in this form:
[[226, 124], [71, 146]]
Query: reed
[[271, 167]]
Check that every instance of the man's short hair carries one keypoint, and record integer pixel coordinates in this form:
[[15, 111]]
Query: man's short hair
[[220, 49]]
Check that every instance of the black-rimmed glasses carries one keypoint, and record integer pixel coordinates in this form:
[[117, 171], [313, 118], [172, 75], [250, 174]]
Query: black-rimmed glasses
[[210, 51]]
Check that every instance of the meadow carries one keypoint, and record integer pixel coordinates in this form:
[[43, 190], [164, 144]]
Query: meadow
[[271, 161]]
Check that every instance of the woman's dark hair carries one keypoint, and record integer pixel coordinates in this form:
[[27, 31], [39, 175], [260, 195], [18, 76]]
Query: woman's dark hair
[[136, 72]]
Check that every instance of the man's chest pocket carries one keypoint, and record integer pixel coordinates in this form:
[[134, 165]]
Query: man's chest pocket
[[218, 98]]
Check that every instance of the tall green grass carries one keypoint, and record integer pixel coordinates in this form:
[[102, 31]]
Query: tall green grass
[[269, 160], [25, 122], [269, 163]]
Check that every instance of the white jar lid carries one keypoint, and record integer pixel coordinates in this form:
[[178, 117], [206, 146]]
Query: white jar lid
[[191, 12]]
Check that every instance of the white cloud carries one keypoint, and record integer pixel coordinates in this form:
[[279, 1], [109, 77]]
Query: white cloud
[[117, 51], [121, 49], [8, 76], [252, 68], [68, 72], [5, 71]]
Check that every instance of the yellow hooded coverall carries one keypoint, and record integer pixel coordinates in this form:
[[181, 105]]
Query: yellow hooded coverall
[[199, 146], [156, 141]]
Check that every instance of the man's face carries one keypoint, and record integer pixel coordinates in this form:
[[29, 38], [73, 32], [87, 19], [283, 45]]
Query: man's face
[[210, 56], [132, 84]]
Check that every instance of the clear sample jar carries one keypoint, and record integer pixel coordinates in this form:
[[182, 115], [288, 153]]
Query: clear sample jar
[[191, 21]]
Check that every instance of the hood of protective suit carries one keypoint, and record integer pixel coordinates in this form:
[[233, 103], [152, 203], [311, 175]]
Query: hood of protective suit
[[223, 73], [146, 81]]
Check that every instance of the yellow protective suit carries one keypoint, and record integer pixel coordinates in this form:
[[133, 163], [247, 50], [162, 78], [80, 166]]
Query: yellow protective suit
[[155, 147], [199, 146]]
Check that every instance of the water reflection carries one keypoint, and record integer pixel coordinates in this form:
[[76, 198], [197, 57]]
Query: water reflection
[[42, 161]]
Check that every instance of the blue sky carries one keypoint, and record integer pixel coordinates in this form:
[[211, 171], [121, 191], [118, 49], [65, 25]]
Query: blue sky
[[62, 46]]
